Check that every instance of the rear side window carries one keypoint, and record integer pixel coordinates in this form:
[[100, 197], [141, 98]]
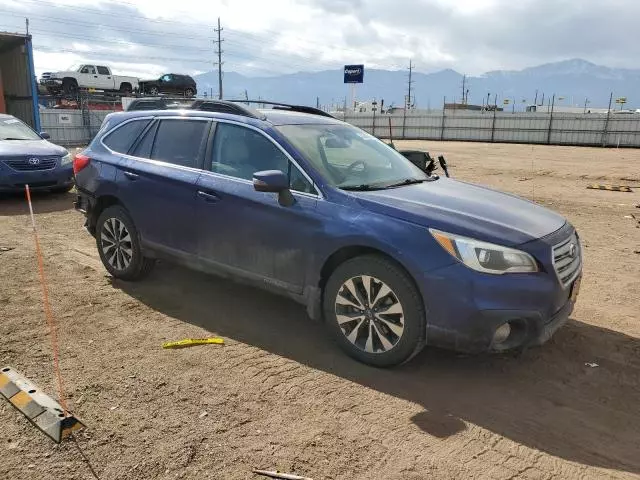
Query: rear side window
[[180, 142], [103, 71], [121, 139]]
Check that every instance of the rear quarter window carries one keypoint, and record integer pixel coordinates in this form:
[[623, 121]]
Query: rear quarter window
[[121, 139]]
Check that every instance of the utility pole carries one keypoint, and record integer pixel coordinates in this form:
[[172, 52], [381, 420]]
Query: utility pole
[[408, 100], [464, 84], [26, 21], [535, 102], [318, 102], [586, 100], [606, 124], [219, 52]]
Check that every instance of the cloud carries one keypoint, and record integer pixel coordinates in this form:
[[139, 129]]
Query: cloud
[[150, 37]]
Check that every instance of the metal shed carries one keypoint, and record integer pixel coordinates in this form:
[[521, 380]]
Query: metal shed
[[18, 84]]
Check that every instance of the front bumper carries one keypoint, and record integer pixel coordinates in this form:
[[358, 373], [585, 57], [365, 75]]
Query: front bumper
[[465, 308], [51, 82], [14, 181]]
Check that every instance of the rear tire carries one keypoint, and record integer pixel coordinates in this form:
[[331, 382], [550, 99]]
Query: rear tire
[[118, 244], [374, 311], [126, 89], [153, 91]]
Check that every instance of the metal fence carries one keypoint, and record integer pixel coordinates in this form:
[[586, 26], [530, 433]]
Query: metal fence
[[78, 127], [540, 128], [71, 127]]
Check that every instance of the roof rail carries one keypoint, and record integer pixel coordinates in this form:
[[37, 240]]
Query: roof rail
[[286, 106], [224, 106]]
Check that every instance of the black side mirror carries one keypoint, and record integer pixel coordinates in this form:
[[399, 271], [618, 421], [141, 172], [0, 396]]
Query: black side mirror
[[274, 181], [45, 136]]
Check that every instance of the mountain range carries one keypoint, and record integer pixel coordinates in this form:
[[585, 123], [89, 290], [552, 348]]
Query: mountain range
[[572, 81]]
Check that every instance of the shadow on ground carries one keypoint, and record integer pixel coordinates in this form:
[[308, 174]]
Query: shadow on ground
[[547, 399], [12, 204]]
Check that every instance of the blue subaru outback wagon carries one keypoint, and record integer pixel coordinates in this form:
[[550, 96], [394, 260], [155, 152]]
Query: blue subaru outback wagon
[[297, 202]]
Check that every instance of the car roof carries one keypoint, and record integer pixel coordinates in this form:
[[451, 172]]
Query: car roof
[[272, 116]]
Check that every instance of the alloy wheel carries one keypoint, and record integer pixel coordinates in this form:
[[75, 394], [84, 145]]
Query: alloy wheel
[[369, 314], [116, 244]]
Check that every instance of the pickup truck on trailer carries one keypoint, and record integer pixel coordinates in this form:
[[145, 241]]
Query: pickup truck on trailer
[[98, 77]]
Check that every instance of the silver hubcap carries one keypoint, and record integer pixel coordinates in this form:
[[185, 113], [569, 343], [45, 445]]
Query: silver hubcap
[[369, 314], [116, 244]]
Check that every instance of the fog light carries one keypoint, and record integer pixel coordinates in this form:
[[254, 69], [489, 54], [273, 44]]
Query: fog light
[[501, 334]]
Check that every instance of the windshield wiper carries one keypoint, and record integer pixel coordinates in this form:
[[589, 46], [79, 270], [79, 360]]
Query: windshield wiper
[[365, 187], [406, 181], [13, 138]]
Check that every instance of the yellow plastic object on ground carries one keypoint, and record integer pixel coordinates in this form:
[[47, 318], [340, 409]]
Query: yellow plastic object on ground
[[611, 188], [41, 410], [189, 342]]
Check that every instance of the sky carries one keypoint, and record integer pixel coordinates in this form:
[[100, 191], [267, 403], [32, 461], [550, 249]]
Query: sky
[[146, 38]]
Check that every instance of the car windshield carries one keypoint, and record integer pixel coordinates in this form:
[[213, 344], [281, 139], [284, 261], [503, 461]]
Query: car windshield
[[14, 129], [349, 158]]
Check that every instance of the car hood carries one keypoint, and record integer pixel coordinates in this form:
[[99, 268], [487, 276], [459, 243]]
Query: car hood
[[12, 148], [465, 209]]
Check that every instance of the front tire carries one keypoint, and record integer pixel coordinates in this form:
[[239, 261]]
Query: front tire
[[374, 311], [189, 92], [69, 86], [153, 91], [119, 245]]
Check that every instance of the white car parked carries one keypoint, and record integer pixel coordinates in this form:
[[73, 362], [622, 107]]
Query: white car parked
[[98, 77]]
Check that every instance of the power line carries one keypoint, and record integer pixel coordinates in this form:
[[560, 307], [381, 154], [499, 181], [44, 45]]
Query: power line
[[261, 40]]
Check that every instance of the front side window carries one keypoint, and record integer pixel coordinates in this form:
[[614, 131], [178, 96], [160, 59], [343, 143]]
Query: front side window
[[240, 152], [180, 142], [122, 138], [348, 157], [166, 78], [90, 69]]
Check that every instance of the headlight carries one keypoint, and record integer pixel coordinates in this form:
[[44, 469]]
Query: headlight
[[485, 257], [66, 159]]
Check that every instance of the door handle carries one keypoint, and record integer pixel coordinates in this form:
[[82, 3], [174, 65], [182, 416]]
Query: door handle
[[208, 197], [95, 76], [131, 176]]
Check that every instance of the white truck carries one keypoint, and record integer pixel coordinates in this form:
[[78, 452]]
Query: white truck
[[98, 77]]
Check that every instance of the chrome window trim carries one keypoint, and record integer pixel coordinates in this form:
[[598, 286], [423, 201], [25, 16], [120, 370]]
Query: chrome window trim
[[161, 163]]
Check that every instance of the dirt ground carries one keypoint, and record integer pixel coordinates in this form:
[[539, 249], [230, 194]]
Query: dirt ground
[[280, 395]]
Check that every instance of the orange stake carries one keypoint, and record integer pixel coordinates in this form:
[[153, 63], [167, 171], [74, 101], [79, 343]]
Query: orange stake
[[47, 308]]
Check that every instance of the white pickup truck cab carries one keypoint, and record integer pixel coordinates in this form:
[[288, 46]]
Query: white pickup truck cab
[[98, 77]]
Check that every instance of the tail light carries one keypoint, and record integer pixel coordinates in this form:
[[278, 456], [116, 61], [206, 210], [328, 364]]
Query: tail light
[[79, 162]]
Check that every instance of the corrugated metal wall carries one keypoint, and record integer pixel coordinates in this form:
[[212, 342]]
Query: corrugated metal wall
[[71, 127], [15, 68], [556, 129]]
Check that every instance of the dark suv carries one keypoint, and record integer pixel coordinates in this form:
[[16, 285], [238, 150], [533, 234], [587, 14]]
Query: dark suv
[[307, 206], [170, 83]]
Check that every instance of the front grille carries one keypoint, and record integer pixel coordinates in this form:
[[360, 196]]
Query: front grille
[[28, 164], [567, 260]]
